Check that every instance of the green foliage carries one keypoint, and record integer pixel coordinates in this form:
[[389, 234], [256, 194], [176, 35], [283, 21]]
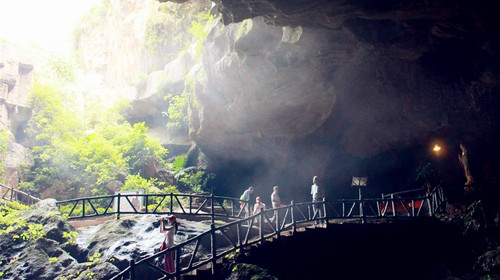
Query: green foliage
[[200, 29], [251, 272], [53, 259], [166, 34], [95, 258], [10, 219], [136, 182], [70, 236], [474, 218], [33, 232], [151, 186], [179, 163], [197, 182], [80, 151], [177, 109]]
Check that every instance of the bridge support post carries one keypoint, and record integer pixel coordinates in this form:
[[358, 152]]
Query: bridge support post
[[325, 213], [132, 270], [261, 224], [83, 208], [212, 208], [171, 203], [430, 206], [294, 225], [177, 263], [238, 232], [118, 206], [361, 214], [393, 206], [277, 224], [190, 204], [214, 248]]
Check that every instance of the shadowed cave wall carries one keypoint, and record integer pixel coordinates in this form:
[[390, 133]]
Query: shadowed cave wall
[[293, 89]]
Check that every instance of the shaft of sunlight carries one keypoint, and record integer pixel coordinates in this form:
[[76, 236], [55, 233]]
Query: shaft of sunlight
[[47, 23]]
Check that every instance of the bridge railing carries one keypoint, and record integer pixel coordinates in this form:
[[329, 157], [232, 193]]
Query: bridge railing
[[392, 205], [189, 204], [217, 242], [11, 194]]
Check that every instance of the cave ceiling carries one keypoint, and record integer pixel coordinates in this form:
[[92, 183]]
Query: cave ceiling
[[312, 79]]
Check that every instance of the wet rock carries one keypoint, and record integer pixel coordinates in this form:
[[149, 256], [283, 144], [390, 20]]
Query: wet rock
[[77, 252], [41, 259], [133, 237]]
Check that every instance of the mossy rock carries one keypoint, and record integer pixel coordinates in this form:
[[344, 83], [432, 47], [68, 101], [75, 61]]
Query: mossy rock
[[489, 262], [244, 271]]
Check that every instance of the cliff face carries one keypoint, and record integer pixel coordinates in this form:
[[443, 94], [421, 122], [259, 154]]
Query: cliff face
[[15, 83], [297, 88]]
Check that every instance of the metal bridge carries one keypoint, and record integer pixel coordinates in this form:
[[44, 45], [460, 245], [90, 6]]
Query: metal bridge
[[237, 231], [11, 194]]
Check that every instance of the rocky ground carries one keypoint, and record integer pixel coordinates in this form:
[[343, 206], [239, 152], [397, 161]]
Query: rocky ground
[[95, 252]]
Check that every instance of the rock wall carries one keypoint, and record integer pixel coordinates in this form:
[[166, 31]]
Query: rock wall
[[16, 74], [299, 88]]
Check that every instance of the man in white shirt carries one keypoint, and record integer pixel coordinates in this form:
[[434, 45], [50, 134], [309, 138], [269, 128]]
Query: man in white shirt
[[317, 194], [275, 198], [275, 201]]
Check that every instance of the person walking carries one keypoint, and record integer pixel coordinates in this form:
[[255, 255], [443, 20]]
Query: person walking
[[245, 203], [259, 206], [318, 196], [275, 198], [275, 201]]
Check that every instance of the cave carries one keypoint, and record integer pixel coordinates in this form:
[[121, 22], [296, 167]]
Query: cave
[[339, 89]]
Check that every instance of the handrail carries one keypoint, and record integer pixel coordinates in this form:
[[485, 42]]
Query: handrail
[[14, 195], [188, 204], [271, 223], [403, 192]]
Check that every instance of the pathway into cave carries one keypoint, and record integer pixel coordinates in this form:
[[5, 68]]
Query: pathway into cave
[[418, 249]]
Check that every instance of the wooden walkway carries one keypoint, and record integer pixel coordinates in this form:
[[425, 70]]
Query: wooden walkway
[[236, 232]]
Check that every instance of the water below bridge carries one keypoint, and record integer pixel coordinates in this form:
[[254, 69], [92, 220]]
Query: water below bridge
[[416, 249]]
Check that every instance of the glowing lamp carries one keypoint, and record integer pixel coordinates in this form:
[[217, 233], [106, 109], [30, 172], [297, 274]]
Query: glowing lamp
[[436, 148]]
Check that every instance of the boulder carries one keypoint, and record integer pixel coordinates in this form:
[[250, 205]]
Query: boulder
[[133, 237]]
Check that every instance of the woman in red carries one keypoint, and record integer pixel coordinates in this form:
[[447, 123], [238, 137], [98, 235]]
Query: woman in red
[[169, 227]]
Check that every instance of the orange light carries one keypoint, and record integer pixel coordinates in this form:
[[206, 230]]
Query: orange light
[[436, 148]]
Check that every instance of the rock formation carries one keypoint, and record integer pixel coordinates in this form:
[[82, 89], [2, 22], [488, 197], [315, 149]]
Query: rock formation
[[97, 252], [298, 88], [15, 83]]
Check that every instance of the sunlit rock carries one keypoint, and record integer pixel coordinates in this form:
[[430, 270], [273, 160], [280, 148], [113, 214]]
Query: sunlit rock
[[264, 85], [50, 256], [16, 76], [150, 104], [133, 237], [296, 88]]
